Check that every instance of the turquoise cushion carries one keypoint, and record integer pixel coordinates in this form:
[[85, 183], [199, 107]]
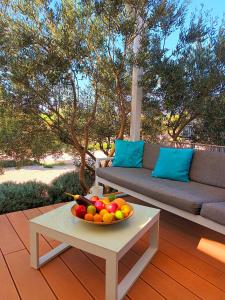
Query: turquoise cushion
[[128, 154], [173, 164]]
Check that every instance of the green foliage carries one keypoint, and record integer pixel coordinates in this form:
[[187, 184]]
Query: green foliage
[[21, 196], [97, 146], [189, 79], [57, 46], [15, 164], [75, 62], [50, 166], [106, 125], [47, 166], [68, 182], [22, 136], [152, 121], [14, 197], [210, 129]]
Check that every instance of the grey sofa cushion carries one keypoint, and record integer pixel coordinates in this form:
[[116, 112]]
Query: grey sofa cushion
[[208, 168], [150, 156], [214, 211], [187, 196]]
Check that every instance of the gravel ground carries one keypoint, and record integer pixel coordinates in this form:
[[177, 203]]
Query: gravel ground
[[41, 174], [37, 173]]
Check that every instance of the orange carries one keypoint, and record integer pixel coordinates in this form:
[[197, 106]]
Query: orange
[[105, 200], [88, 217], [97, 218], [126, 209], [103, 211], [113, 214], [119, 202], [125, 213], [107, 218]]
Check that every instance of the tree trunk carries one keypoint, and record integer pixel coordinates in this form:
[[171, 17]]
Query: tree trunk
[[82, 174], [119, 136], [176, 132], [92, 170], [122, 127], [175, 136], [91, 155]]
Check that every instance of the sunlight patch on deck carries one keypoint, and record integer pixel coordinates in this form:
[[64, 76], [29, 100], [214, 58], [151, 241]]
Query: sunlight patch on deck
[[212, 248]]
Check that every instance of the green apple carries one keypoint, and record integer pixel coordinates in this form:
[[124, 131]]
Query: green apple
[[119, 215], [91, 209]]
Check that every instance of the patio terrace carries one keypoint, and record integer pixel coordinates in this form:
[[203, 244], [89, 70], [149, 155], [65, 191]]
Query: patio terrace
[[190, 264]]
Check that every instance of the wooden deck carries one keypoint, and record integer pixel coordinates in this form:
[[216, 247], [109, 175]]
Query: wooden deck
[[189, 265]]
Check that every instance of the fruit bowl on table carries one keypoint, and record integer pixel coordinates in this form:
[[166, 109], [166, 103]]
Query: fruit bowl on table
[[101, 211]]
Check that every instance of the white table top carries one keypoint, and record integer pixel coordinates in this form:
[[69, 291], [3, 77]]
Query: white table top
[[111, 237]]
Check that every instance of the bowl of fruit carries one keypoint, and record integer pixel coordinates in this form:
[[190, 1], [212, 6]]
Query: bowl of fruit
[[101, 211]]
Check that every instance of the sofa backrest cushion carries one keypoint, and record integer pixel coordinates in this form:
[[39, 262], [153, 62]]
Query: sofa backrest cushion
[[128, 154], [208, 167], [150, 156], [174, 164]]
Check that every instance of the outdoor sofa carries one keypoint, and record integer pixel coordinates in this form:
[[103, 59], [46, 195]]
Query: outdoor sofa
[[201, 200]]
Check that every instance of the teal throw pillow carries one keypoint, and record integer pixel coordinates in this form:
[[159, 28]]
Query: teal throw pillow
[[173, 164], [128, 154]]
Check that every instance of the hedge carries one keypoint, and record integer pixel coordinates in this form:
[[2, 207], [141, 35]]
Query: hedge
[[17, 164], [20, 196], [68, 182]]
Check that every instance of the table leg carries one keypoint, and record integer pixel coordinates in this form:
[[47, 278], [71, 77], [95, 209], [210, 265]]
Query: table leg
[[154, 235], [34, 248], [143, 261], [111, 283]]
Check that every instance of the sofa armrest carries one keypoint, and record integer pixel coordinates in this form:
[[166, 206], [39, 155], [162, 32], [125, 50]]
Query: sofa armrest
[[99, 159]]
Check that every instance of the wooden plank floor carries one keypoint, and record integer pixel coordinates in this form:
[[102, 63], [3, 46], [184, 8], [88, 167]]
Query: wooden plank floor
[[189, 265]]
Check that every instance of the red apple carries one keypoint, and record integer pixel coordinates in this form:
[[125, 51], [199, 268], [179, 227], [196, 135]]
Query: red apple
[[99, 205], [80, 211], [94, 199], [112, 207]]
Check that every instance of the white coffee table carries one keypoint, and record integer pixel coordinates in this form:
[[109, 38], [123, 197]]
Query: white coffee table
[[109, 242]]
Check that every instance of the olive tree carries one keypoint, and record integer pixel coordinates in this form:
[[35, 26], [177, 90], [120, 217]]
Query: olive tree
[[60, 59]]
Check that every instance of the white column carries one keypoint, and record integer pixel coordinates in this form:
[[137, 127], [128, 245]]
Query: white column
[[137, 93]]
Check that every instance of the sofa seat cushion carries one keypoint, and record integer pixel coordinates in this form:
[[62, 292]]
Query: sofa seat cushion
[[214, 212], [188, 196]]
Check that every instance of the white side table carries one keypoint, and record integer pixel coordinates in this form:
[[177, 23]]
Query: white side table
[[109, 242]]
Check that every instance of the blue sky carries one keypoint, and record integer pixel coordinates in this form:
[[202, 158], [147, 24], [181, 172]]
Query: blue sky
[[216, 9]]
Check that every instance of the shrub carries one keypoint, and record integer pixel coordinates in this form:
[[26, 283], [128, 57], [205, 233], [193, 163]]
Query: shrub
[[22, 196], [47, 166], [68, 182], [8, 163], [11, 163], [50, 166]]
